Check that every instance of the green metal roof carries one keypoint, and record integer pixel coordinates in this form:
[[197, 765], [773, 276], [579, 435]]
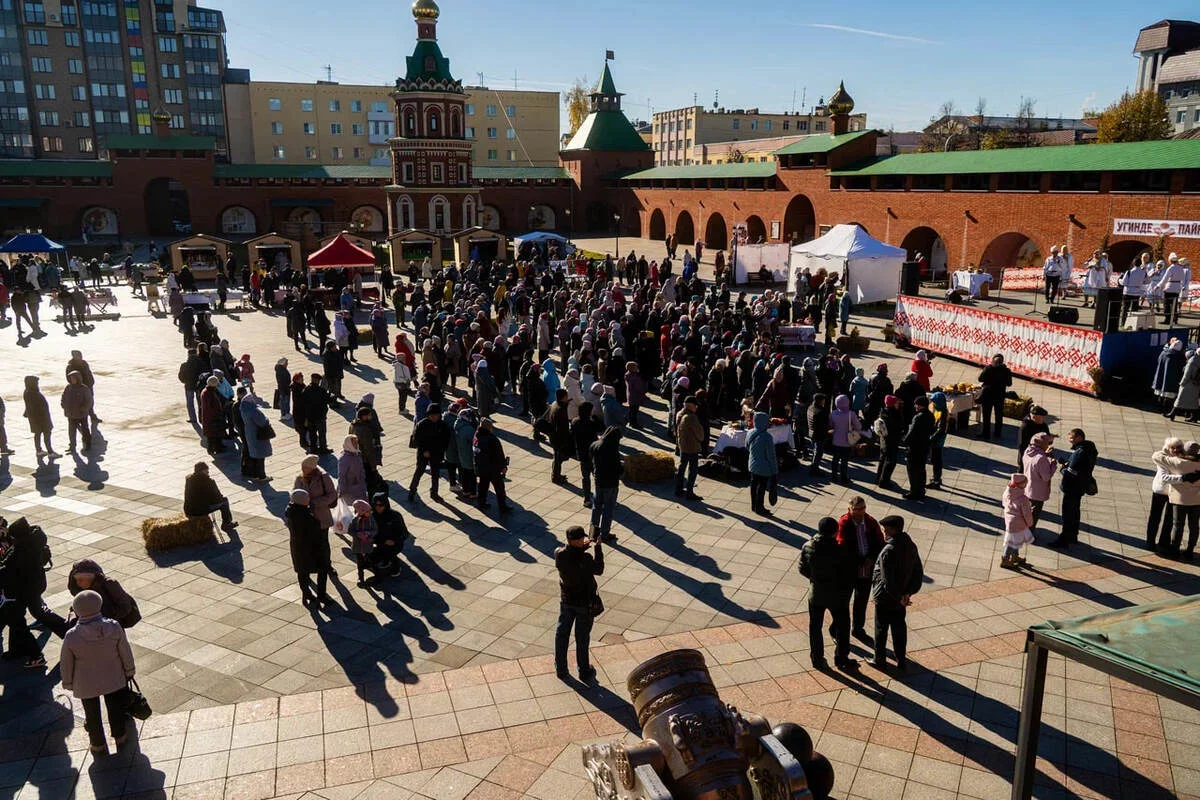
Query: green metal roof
[[519, 173], [607, 131], [819, 143], [606, 85], [1167, 154], [749, 169], [425, 54], [48, 168], [128, 141], [310, 171]]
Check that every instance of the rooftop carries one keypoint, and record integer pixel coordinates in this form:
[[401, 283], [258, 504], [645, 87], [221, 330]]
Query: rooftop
[[50, 168], [607, 131], [1167, 154], [819, 143], [749, 169], [318, 172], [130, 141], [484, 173]]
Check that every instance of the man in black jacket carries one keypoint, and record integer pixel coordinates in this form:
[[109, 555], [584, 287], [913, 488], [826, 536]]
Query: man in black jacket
[[560, 434], [995, 379], [316, 409], [201, 497], [918, 441], [189, 375], [1077, 480], [897, 577], [829, 569], [490, 464], [391, 533], [430, 437], [1033, 424], [605, 458], [22, 582], [577, 571], [585, 430]]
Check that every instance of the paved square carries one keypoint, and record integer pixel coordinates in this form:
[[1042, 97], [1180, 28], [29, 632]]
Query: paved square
[[439, 683]]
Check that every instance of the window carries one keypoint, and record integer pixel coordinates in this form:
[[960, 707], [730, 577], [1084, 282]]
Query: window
[[1180, 117], [43, 91], [82, 119], [510, 134], [929, 183], [310, 129], [19, 113], [470, 109], [1075, 182], [274, 104], [207, 120], [48, 119], [86, 145], [359, 155], [108, 90], [356, 106], [101, 37], [79, 93], [766, 124], [177, 122], [491, 132], [70, 16], [512, 155], [306, 105], [168, 44], [112, 117], [358, 129], [42, 65], [462, 173], [310, 153], [335, 129], [169, 70], [510, 110], [35, 14], [379, 107], [337, 153], [200, 93], [71, 38], [278, 152], [786, 124], [801, 124], [201, 18], [1197, 119], [737, 123], [1151, 180], [406, 172], [491, 111], [52, 144], [37, 37], [435, 173], [470, 132], [276, 128], [753, 124], [174, 96], [335, 105], [491, 155], [381, 152], [820, 126]]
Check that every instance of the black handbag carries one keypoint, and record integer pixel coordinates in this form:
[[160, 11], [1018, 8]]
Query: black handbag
[[596, 606], [139, 707], [266, 432]]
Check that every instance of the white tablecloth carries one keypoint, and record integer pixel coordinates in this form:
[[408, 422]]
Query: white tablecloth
[[736, 437], [971, 281]]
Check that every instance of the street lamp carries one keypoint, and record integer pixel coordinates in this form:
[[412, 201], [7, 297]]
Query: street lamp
[[570, 225], [617, 218]]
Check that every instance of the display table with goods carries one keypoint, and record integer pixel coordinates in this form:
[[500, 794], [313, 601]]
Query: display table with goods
[[961, 400], [798, 336], [734, 436], [98, 302]]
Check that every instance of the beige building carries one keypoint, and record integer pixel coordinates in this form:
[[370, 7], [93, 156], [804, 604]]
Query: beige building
[[333, 123], [678, 136]]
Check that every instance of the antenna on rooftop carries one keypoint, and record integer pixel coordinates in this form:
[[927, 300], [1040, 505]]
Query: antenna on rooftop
[[480, 74], [329, 72], [716, 98]]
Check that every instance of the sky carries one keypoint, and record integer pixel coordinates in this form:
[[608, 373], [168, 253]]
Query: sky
[[900, 61]]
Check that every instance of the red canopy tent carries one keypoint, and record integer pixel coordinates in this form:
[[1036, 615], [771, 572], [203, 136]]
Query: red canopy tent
[[341, 252]]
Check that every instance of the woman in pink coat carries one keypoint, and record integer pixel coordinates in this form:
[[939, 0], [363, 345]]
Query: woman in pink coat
[[1040, 469], [1018, 522]]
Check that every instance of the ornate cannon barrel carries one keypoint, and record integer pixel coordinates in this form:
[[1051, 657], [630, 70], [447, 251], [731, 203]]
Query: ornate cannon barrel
[[695, 747]]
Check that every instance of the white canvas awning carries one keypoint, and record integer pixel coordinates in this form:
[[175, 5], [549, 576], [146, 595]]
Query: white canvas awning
[[872, 268]]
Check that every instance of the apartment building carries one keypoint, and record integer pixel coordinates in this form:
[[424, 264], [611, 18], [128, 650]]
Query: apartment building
[[74, 72], [334, 123], [678, 136], [1169, 63]]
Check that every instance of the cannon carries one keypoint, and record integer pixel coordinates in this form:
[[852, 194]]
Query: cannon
[[694, 747]]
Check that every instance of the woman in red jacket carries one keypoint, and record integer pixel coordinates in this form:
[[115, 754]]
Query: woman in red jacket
[[920, 365]]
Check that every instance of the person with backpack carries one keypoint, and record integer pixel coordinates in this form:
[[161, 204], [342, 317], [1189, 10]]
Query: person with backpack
[[23, 558], [897, 576]]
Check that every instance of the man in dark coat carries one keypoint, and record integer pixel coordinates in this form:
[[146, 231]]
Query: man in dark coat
[[918, 442], [560, 434], [490, 464], [891, 424], [201, 497], [584, 431], [1077, 480], [309, 544], [995, 379], [577, 571], [316, 410], [391, 533], [832, 574], [189, 375], [1033, 424], [22, 581], [335, 370], [859, 534], [430, 437], [212, 416], [896, 578]]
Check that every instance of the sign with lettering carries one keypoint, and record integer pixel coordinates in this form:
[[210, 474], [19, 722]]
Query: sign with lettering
[[1183, 228]]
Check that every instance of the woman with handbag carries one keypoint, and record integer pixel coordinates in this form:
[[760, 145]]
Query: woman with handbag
[[258, 433], [847, 431], [96, 661]]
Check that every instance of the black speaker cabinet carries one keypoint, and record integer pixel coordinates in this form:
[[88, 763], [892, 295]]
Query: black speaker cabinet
[[1064, 315], [1108, 309], [910, 279]]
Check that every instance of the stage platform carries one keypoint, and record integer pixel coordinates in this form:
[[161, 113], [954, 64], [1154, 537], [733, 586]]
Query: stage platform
[[1072, 356], [1021, 303]]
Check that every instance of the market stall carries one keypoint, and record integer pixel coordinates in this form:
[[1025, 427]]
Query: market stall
[[341, 253], [974, 283], [36, 244], [749, 259], [538, 245], [274, 250], [479, 245], [415, 246], [203, 254], [870, 268]]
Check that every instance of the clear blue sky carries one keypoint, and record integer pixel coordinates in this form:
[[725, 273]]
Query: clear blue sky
[[902, 61]]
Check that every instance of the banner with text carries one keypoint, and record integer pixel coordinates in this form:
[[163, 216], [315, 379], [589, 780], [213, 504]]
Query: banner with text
[[1031, 347], [1182, 228]]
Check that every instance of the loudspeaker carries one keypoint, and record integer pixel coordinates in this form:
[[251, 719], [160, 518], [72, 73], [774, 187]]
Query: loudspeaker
[[1108, 309], [1063, 315], [910, 279]]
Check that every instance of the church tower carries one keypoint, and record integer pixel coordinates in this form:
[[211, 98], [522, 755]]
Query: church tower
[[432, 189]]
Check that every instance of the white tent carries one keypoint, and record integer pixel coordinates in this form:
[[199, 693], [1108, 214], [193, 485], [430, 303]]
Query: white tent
[[872, 268]]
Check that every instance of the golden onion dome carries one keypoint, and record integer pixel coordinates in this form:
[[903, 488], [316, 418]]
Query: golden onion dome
[[841, 102], [425, 9], [160, 115]]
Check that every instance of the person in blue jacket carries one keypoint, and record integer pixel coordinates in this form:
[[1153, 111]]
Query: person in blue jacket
[[763, 465]]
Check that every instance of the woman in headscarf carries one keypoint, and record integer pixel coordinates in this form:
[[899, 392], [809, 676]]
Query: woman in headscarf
[[1187, 399], [456, 359], [845, 425], [257, 434], [762, 463], [487, 396], [550, 376], [776, 399], [920, 365], [574, 392], [941, 426], [212, 416], [858, 391], [1161, 509], [37, 412], [759, 378], [1167, 375], [379, 331], [308, 540], [352, 475], [878, 388], [1018, 522]]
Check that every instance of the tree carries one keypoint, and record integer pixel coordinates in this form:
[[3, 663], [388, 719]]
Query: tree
[[1140, 117], [945, 130], [577, 100], [979, 122]]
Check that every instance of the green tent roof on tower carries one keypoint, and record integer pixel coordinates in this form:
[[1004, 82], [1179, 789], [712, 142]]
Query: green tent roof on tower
[[606, 127]]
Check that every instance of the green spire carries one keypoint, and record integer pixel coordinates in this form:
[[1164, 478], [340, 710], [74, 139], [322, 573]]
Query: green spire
[[606, 85]]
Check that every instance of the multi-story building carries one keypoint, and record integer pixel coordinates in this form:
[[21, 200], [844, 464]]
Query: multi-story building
[[75, 72], [678, 135], [332, 123], [1169, 63]]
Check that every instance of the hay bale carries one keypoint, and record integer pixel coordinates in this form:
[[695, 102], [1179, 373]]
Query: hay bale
[[649, 467], [167, 533], [365, 334], [1017, 409]]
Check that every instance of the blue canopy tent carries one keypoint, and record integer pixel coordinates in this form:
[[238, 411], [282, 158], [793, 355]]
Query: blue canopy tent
[[540, 242], [32, 243], [543, 236]]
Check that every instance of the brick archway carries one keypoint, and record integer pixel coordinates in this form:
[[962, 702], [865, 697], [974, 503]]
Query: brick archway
[[716, 234], [756, 229], [928, 242], [799, 220], [656, 229], [685, 229], [1012, 249], [1122, 254]]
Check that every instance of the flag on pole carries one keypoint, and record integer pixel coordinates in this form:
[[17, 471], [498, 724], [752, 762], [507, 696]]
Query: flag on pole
[[608, 56]]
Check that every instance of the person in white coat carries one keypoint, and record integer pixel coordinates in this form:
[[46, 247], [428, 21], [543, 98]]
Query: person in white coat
[[1184, 496], [1133, 287], [1052, 272], [1094, 278], [1172, 283]]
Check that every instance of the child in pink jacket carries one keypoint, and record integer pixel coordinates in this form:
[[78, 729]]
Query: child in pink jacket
[[246, 372], [1018, 522]]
